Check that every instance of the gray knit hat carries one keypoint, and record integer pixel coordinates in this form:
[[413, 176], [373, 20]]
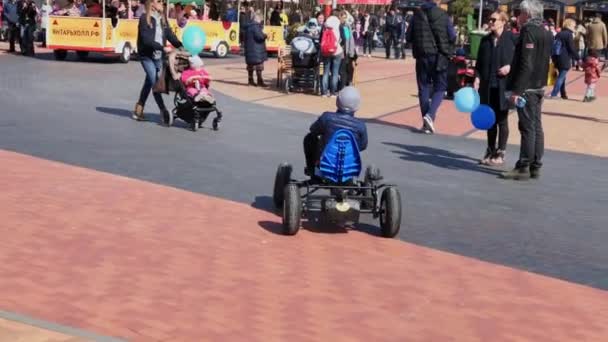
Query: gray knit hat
[[196, 62], [349, 100]]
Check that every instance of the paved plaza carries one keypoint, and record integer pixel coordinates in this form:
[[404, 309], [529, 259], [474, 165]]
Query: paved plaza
[[115, 230]]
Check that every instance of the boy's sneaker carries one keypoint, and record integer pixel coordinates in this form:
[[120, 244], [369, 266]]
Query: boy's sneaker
[[585, 99], [429, 123], [591, 99]]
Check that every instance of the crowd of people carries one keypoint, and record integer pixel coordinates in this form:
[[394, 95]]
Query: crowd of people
[[514, 58]]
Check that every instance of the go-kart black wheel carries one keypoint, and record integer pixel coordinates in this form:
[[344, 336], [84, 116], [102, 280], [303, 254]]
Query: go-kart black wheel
[[82, 55], [168, 117], [292, 210], [60, 55], [281, 179], [370, 178], [216, 124], [390, 212]]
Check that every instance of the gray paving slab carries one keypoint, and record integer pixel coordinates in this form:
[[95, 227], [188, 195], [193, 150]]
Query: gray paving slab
[[62, 329], [78, 113]]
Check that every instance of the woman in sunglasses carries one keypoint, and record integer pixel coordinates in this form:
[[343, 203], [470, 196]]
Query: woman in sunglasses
[[154, 31], [493, 66]]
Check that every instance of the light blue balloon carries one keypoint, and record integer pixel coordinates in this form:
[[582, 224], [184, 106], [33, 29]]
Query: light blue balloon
[[483, 117], [466, 100], [194, 39]]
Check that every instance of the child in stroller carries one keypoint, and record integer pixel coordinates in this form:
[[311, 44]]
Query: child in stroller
[[193, 101], [196, 80]]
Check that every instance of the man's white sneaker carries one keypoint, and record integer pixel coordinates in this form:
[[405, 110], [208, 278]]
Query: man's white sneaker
[[429, 123]]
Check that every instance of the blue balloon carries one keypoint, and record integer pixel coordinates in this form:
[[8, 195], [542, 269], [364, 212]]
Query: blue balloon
[[483, 117], [466, 100], [193, 39]]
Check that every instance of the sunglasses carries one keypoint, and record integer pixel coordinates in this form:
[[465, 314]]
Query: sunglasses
[[492, 20]]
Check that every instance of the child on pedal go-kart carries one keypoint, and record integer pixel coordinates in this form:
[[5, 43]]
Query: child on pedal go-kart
[[347, 103]]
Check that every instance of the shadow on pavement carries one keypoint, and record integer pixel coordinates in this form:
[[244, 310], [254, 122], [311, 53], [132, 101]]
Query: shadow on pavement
[[115, 111], [265, 203], [73, 57], [412, 129], [150, 117], [578, 117], [439, 158]]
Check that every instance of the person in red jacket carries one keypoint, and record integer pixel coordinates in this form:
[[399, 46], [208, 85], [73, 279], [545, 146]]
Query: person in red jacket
[[593, 73]]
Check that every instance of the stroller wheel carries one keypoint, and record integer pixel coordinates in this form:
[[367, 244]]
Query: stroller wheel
[[195, 124], [216, 121]]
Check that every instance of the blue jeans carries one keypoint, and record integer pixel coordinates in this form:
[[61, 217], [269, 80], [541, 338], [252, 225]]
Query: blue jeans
[[560, 84], [331, 64], [152, 68], [432, 85]]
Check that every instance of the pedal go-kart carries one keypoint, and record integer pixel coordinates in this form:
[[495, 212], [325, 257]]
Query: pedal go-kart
[[336, 192]]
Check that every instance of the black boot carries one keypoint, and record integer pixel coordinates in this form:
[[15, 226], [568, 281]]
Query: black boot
[[251, 82], [260, 79], [518, 173]]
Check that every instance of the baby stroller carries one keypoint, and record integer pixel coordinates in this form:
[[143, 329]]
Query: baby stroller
[[186, 108], [305, 65], [460, 74]]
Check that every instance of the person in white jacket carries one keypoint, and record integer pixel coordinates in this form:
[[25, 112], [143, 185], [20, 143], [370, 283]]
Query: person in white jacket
[[45, 11]]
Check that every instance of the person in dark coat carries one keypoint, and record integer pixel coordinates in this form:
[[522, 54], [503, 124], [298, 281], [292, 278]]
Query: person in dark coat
[[493, 66], [11, 15], [255, 50], [527, 82], [275, 17], [563, 60], [27, 20], [153, 33], [392, 30], [432, 36]]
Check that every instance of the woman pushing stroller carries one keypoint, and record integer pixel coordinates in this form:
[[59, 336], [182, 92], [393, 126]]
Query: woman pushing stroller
[[154, 32]]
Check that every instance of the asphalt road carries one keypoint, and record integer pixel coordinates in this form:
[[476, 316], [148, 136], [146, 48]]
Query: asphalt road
[[79, 113]]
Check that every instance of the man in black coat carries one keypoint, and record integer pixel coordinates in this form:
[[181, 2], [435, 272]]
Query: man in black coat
[[11, 15], [529, 73], [27, 21], [392, 30], [432, 37]]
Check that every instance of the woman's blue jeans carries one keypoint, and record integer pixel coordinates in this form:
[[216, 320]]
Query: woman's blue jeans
[[152, 68], [331, 65], [560, 83]]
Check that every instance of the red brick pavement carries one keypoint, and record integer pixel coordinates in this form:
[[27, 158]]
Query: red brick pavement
[[146, 262]]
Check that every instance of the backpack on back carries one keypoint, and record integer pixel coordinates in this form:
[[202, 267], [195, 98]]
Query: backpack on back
[[329, 44], [556, 50]]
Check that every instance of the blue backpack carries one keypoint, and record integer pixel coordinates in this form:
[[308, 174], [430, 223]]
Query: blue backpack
[[340, 161], [556, 50]]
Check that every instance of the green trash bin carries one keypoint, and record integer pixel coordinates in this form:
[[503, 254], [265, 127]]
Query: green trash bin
[[474, 40]]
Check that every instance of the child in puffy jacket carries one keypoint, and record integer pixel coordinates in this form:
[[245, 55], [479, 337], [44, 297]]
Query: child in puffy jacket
[[196, 80], [593, 73]]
